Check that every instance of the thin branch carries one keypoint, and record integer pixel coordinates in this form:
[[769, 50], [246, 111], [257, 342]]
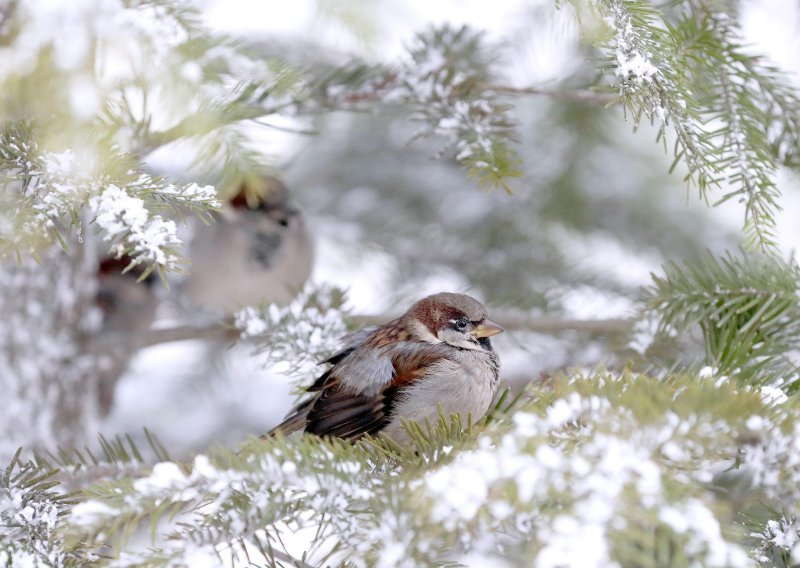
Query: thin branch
[[579, 96], [201, 123], [303, 131], [217, 331], [204, 122], [224, 331], [514, 321]]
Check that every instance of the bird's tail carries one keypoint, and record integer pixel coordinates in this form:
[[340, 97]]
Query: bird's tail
[[295, 421]]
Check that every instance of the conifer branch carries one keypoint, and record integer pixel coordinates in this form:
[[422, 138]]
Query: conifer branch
[[577, 96], [225, 330], [637, 452], [638, 435], [715, 102], [747, 308]]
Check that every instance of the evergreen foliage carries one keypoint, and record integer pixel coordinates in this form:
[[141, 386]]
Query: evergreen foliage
[[644, 471], [733, 117], [31, 510], [745, 305], [687, 468]]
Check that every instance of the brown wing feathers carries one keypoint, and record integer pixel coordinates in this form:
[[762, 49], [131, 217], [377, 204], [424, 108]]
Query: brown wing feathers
[[336, 410], [339, 412], [408, 367], [391, 333]]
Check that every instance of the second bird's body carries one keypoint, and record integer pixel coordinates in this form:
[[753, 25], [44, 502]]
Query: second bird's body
[[256, 251]]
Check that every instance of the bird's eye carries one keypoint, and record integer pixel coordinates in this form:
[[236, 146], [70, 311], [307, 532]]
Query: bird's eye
[[461, 324]]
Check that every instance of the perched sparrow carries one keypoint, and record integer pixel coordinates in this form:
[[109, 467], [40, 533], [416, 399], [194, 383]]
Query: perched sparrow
[[257, 250], [128, 307], [437, 353], [127, 304]]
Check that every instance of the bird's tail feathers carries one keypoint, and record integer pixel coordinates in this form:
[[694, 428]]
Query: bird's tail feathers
[[294, 422]]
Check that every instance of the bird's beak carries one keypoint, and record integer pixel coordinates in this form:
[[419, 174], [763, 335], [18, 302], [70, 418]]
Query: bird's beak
[[487, 329]]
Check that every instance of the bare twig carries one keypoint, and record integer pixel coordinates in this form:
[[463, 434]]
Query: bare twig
[[514, 321], [303, 131], [579, 96], [204, 122], [217, 331], [224, 331]]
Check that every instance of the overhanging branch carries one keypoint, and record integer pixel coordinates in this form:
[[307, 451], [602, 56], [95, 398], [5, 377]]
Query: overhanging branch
[[224, 330]]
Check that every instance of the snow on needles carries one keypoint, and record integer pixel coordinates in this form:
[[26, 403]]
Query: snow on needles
[[439, 80], [444, 62], [634, 64], [123, 216], [301, 334], [239, 502], [639, 75], [148, 239], [779, 539], [573, 502], [57, 186], [573, 479], [29, 516]]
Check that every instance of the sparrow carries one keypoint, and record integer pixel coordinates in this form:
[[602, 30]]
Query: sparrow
[[437, 354], [127, 303], [257, 250], [128, 306]]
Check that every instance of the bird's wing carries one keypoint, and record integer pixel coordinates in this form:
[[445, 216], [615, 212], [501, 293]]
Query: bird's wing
[[339, 409]]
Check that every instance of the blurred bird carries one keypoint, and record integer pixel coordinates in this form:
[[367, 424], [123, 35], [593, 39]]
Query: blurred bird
[[436, 354], [127, 304], [257, 250], [128, 308]]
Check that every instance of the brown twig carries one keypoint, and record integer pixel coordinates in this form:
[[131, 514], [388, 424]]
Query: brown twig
[[514, 321], [224, 331], [217, 331], [579, 96]]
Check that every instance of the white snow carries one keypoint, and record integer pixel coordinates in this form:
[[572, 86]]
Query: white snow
[[165, 476], [772, 395], [603, 468], [90, 512], [118, 213], [596, 470], [124, 217]]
